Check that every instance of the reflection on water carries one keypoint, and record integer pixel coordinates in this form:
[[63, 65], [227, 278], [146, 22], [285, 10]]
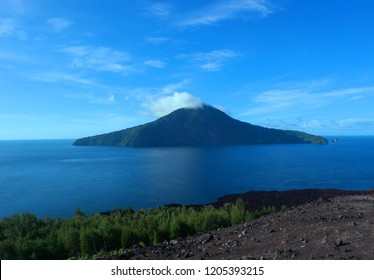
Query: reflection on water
[[53, 178]]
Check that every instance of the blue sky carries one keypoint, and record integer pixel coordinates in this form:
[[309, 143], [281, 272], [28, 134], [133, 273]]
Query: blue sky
[[73, 68]]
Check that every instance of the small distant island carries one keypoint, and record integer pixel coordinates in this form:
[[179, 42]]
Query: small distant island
[[200, 126]]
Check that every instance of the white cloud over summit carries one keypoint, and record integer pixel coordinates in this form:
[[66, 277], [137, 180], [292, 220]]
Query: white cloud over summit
[[167, 104]]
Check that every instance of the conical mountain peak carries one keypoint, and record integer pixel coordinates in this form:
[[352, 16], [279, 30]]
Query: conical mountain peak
[[200, 126]]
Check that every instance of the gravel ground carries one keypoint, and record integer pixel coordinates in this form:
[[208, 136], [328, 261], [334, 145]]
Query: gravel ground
[[336, 225]]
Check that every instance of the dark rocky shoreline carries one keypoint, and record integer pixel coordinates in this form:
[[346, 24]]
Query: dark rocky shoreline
[[256, 200], [318, 224]]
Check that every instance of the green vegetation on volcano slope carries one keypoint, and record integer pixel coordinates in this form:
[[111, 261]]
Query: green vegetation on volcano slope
[[205, 126], [28, 237]]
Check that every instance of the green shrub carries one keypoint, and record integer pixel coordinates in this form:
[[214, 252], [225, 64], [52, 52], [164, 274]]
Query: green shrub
[[28, 237]]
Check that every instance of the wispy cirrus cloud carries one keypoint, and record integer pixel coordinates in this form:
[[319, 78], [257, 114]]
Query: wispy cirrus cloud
[[226, 10], [160, 10], [325, 126], [311, 95], [59, 24], [155, 63], [15, 7], [93, 92], [157, 40], [7, 26], [10, 27], [211, 61], [17, 57], [358, 123], [58, 77], [106, 98], [99, 59]]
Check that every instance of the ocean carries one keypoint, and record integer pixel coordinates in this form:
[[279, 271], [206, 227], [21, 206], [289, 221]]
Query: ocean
[[53, 178]]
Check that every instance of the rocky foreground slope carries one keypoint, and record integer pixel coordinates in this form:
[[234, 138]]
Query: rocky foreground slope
[[331, 227]]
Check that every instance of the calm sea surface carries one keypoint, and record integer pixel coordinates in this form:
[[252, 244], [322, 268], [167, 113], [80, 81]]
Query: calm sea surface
[[53, 178]]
